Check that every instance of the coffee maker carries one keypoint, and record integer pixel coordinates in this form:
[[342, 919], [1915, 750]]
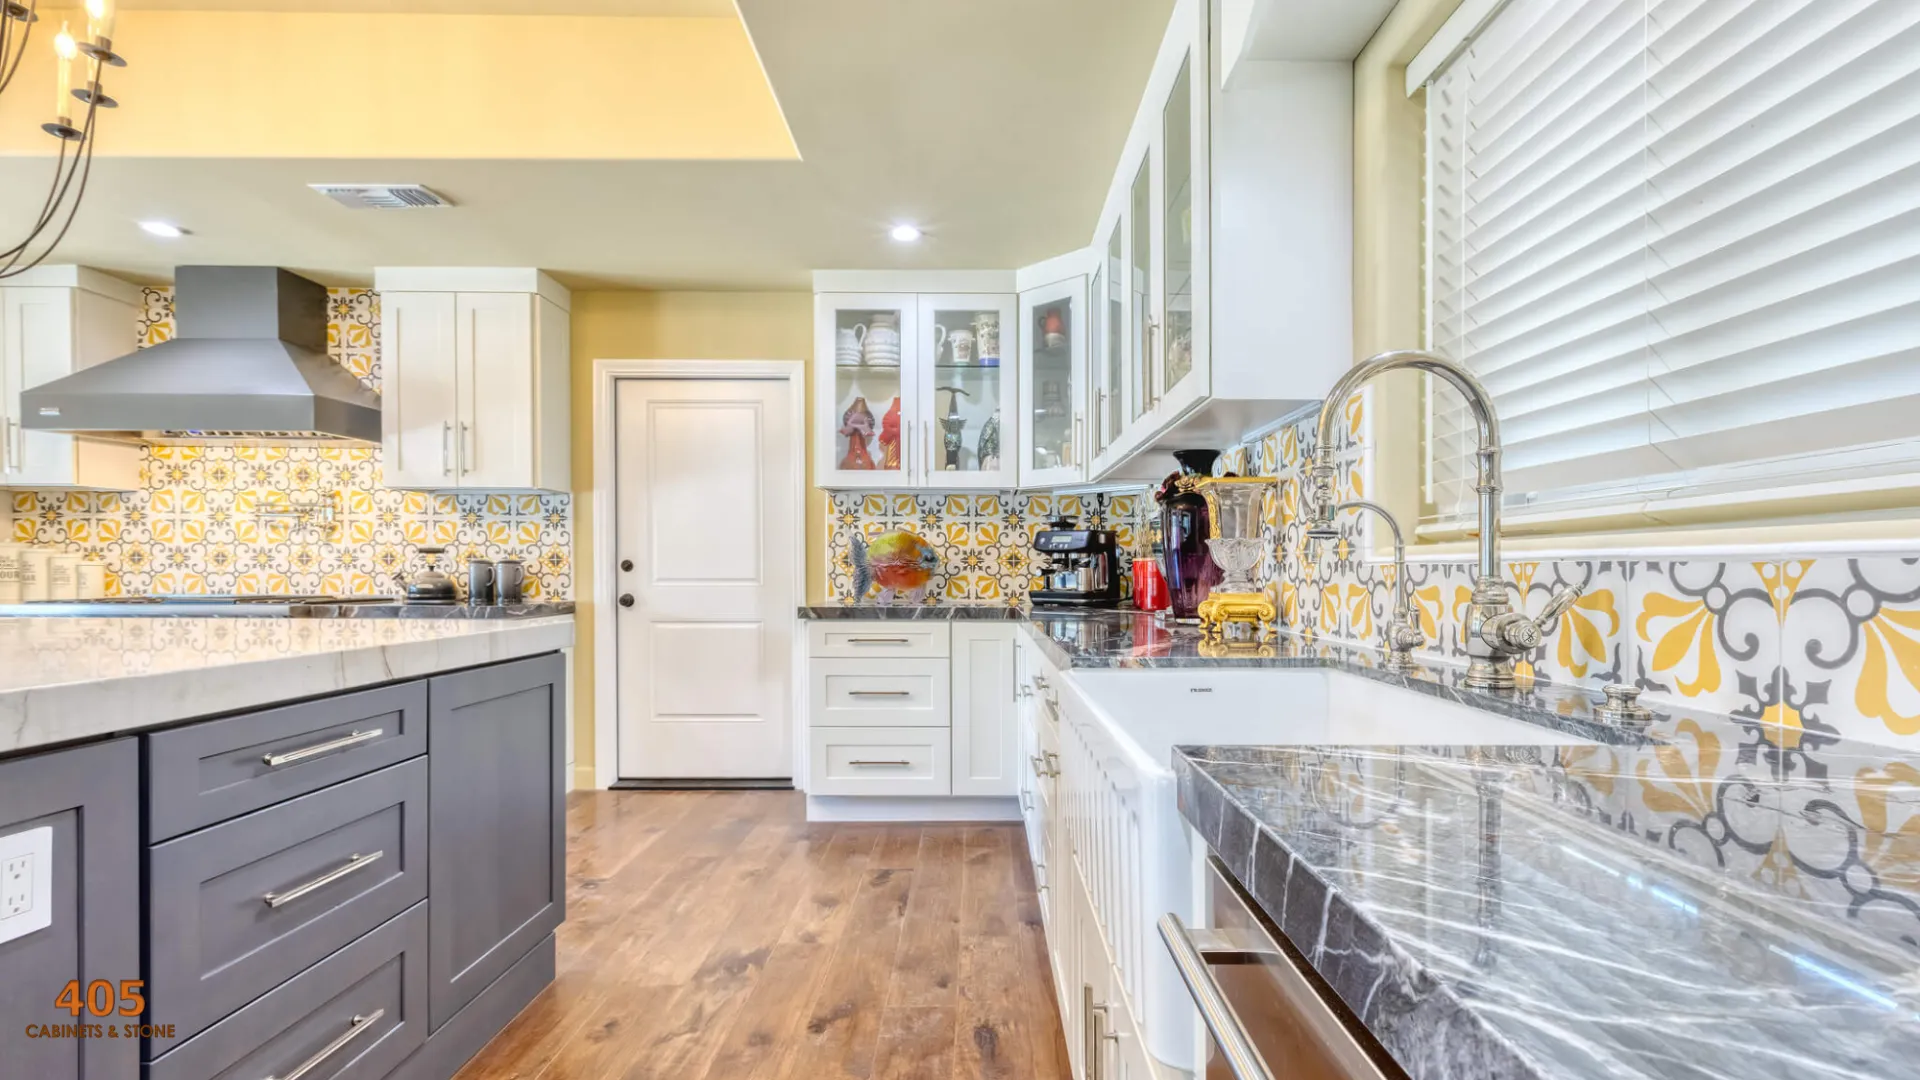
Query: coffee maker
[[1078, 567]]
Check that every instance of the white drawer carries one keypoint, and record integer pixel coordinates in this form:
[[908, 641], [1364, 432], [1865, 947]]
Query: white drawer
[[879, 761], [878, 693], [894, 637]]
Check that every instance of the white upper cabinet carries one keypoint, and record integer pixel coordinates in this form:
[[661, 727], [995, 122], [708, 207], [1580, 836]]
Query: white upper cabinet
[[1227, 235], [54, 321], [915, 380], [475, 379], [1056, 412]]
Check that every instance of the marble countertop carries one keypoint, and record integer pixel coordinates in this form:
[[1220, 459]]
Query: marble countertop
[[1690, 907], [63, 680]]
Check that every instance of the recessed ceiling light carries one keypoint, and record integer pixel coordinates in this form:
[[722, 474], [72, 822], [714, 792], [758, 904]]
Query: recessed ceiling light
[[162, 228], [906, 234]]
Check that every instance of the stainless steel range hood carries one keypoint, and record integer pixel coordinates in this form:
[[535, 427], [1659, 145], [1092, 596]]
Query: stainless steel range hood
[[247, 363]]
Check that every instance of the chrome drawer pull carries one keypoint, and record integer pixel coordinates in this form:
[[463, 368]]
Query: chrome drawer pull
[[356, 862], [274, 761], [902, 764], [879, 641], [1241, 1058], [879, 693], [360, 1024]]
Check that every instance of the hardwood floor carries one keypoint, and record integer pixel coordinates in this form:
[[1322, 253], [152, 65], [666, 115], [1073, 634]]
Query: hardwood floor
[[718, 935]]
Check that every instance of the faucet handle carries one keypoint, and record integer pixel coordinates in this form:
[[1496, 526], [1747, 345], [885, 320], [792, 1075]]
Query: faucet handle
[[1622, 705], [1557, 606]]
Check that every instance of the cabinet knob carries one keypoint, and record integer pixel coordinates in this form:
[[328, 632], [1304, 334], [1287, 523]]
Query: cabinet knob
[[626, 599], [626, 564]]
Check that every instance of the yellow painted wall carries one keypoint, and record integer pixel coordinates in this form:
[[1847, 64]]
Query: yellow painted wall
[[223, 83], [670, 326]]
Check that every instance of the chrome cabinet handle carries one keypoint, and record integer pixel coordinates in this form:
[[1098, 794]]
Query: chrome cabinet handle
[[360, 1024], [1238, 1051], [355, 862], [275, 761], [466, 447], [879, 641], [1043, 769], [1053, 762], [879, 693], [901, 764], [446, 448]]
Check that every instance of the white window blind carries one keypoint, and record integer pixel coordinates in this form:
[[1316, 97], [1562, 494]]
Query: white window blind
[[1679, 241]]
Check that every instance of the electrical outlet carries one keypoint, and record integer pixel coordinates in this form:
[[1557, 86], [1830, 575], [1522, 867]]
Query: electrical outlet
[[26, 882]]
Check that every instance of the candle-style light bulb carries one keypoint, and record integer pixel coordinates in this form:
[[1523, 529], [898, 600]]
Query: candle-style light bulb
[[64, 51], [100, 20]]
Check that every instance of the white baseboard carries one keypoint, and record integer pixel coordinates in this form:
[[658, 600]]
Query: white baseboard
[[911, 808]]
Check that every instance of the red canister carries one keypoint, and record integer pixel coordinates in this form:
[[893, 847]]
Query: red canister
[[1149, 586]]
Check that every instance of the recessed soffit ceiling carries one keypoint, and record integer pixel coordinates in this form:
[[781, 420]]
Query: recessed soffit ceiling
[[994, 124]]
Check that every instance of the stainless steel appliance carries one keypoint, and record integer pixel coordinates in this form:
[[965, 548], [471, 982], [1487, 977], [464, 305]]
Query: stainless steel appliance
[[1268, 1016], [247, 363], [1078, 565]]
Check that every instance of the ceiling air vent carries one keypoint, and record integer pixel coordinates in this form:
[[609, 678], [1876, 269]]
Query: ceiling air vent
[[382, 196]]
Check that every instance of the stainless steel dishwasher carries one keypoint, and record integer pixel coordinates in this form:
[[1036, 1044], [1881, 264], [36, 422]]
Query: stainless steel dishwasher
[[1267, 1016]]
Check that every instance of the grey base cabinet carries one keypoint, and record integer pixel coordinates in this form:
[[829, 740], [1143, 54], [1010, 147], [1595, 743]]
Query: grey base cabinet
[[496, 858], [90, 798]]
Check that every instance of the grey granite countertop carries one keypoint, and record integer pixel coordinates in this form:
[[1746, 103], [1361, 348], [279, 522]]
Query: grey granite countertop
[[919, 612], [532, 610], [1713, 903]]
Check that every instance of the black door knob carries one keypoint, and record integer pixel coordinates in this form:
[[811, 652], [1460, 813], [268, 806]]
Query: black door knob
[[626, 599], [626, 564]]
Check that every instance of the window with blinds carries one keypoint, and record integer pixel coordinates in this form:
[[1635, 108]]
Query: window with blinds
[[1679, 241]]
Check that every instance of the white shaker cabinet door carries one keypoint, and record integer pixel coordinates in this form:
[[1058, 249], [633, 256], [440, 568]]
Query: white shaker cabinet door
[[493, 437], [985, 728], [418, 399], [38, 349]]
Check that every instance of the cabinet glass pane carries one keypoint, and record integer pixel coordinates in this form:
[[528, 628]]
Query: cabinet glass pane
[[866, 388], [1054, 394], [1113, 366], [1176, 332], [965, 390], [1139, 276]]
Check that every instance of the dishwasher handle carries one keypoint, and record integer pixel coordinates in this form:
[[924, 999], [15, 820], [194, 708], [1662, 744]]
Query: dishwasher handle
[[1237, 1050]]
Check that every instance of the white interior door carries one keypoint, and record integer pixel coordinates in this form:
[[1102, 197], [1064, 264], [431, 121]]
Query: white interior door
[[704, 548]]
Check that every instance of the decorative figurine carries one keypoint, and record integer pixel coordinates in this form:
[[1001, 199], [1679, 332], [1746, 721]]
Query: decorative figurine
[[952, 427], [890, 437], [897, 561], [857, 426], [990, 444]]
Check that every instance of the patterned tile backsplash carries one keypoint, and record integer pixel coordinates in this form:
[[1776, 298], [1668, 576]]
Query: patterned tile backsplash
[[219, 519], [1829, 647]]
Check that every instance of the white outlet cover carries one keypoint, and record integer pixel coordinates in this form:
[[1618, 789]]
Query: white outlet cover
[[26, 882]]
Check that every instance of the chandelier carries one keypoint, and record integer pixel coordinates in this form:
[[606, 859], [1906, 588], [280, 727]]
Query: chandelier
[[75, 161]]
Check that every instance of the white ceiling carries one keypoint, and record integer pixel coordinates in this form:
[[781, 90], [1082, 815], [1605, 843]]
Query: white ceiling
[[994, 124]]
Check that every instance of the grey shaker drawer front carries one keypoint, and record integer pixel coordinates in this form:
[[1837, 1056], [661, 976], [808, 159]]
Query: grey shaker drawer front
[[354, 1016], [237, 909], [206, 773]]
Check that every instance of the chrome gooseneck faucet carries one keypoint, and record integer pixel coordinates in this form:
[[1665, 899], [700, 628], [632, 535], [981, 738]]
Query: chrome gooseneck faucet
[[1495, 632], [1402, 633]]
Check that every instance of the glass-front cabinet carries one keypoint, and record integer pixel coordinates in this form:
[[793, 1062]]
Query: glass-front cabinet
[[1175, 340], [914, 390], [1110, 409], [1053, 382]]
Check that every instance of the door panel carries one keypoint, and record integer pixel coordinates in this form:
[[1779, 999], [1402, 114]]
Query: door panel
[[418, 401], [494, 442], [869, 422], [706, 517], [39, 349], [966, 430]]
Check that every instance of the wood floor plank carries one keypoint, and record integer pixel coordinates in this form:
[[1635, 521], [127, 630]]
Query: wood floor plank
[[718, 935], [926, 969], [915, 1044], [842, 1032]]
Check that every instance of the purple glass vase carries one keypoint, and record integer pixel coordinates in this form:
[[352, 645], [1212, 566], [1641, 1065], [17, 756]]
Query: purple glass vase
[[1190, 569]]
